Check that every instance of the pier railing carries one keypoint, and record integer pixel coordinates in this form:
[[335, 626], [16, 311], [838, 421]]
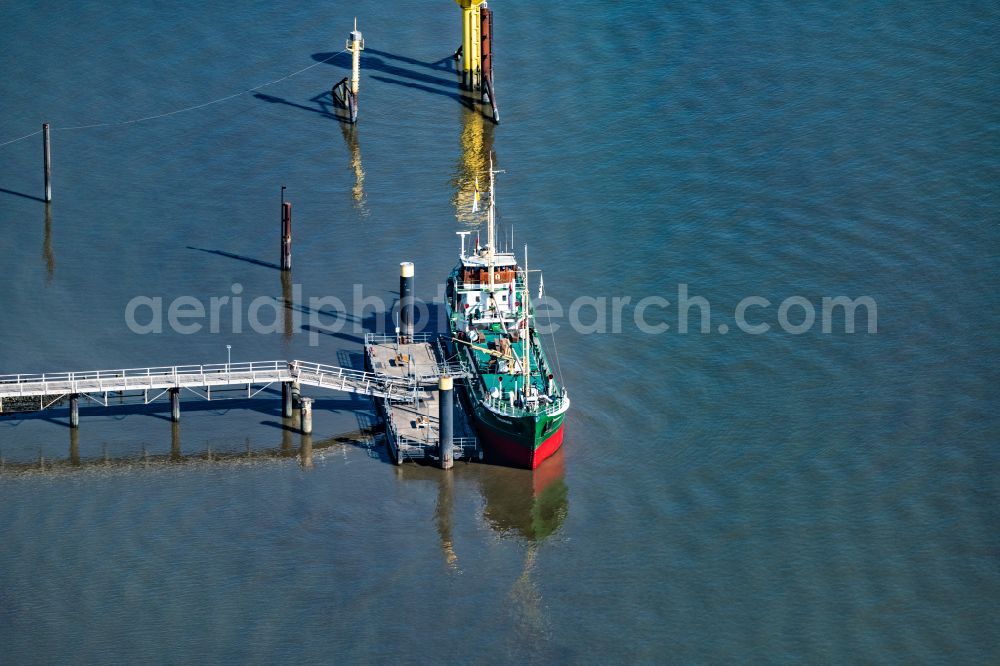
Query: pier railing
[[203, 376], [128, 379], [352, 381]]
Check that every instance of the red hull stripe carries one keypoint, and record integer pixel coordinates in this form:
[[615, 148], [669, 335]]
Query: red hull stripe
[[548, 447], [513, 453]]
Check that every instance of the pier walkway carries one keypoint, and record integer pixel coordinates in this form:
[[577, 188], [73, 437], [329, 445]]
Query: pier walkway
[[50, 388], [403, 378]]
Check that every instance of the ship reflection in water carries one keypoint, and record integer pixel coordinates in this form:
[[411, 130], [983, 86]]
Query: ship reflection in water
[[532, 504], [528, 505]]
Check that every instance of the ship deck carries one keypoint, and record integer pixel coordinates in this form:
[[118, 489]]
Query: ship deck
[[510, 380]]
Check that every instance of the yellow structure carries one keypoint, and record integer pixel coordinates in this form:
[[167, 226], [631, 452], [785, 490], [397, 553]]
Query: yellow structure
[[472, 55]]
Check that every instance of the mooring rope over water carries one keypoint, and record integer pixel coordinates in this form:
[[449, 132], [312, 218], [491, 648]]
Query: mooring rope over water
[[176, 111]]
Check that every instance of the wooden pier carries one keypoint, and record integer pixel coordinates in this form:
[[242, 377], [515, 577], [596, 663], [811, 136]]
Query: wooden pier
[[414, 427]]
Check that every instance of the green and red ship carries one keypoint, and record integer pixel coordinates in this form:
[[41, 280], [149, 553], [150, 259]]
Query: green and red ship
[[515, 401]]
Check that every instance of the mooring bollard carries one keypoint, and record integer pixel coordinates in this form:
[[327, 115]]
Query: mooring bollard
[[406, 301], [48, 162], [286, 235], [286, 399], [175, 404], [446, 426], [74, 410], [306, 424]]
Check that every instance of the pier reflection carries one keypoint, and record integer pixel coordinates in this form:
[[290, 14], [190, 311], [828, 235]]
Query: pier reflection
[[146, 456], [477, 144]]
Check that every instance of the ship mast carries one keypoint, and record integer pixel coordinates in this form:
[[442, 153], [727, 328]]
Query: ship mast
[[526, 350], [490, 223]]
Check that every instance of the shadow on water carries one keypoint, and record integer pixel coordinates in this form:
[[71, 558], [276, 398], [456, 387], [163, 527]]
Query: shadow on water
[[323, 101], [327, 105], [424, 82], [372, 63], [465, 101], [445, 64], [22, 194], [239, 257], [347, 337]]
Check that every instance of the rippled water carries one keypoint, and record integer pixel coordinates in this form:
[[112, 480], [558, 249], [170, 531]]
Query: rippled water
[[720, 497]]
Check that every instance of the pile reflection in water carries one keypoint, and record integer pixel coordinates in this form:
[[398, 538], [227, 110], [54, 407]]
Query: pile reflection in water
[[474, 161]]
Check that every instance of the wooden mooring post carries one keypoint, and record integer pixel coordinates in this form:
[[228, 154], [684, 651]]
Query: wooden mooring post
[[74, 410], [306, 423], [175, 404], [286, 235], [286, 400]]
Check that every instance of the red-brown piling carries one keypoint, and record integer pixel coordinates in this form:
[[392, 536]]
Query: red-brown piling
[[486, 49], [286, 235]]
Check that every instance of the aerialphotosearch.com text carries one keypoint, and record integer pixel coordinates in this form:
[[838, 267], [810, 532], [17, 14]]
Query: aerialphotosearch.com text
[[290, 313]]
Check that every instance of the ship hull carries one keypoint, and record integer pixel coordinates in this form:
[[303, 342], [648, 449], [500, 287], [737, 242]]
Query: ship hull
[[517, 441]]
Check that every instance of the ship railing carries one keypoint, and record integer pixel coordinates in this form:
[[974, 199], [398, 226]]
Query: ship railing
[[503, 406], [462, 447], [478, 286]]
